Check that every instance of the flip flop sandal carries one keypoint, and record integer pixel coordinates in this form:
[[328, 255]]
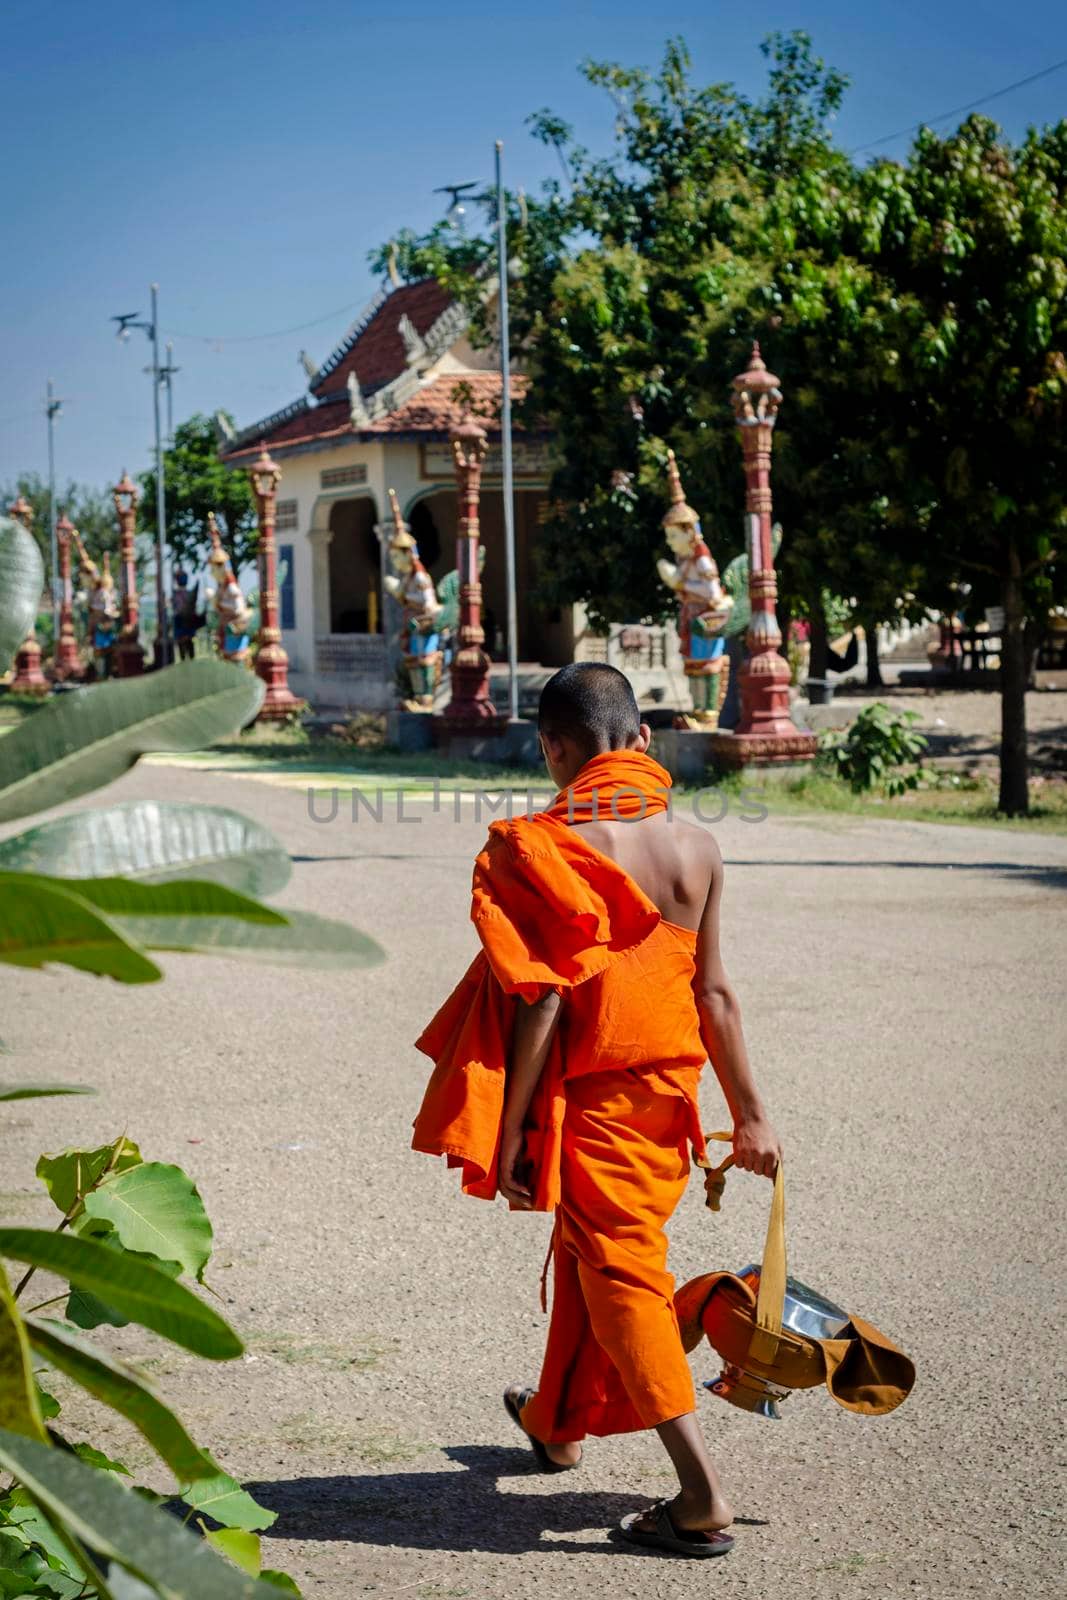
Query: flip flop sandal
[[514, 1406], [676, 1541]]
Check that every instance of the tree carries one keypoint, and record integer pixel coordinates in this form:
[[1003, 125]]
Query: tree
[[973, 231], [92, 512], [196, 483]]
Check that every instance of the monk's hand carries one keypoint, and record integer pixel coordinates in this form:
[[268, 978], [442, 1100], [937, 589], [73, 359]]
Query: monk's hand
[[512, 1170], [756, 1146]]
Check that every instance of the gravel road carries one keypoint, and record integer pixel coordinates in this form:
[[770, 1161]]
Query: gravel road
[[903, 994]]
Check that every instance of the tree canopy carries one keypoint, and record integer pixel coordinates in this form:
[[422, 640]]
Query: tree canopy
[[913, 310], [196, 483]]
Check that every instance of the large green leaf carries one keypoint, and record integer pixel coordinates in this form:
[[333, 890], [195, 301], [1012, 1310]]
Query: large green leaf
[[72, 1173], [307, 940], [37, 1091], [153, 840], [33, 1525], [87, 1310], [20, 1409], [21, 582], [125, 1391], [138, 1290], [156, 1209], [122, 1527], [223, 1500], [182, 898], [42, 921], [83, 740], [238, 1546]]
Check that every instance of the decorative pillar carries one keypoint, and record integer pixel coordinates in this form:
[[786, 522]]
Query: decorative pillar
[[766, 734], [128, 654], [272, 663], [67, 662], [28, 677], [470, 704]]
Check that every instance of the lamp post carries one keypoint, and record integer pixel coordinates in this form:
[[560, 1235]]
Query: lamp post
[[160, 375], [766, 734], [272, 663], [129, 656], [67, 661], [28, 677], [470, 705]]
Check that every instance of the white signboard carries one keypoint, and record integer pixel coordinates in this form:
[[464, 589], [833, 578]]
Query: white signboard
[[531, 458]]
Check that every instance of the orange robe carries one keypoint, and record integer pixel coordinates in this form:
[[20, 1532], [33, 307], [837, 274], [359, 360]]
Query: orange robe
[[615, 1112]]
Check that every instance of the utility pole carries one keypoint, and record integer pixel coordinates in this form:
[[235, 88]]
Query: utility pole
[[159, 376], [167, 372], [505, 440], [52, 409]]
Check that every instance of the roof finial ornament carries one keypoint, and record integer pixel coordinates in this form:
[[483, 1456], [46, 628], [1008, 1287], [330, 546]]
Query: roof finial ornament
[[680, 512]]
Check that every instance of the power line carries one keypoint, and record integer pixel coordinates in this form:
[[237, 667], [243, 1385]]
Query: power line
[[958, 111], [282, 333]]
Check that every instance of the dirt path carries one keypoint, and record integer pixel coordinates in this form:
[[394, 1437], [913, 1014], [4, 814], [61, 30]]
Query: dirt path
[[903, 994]]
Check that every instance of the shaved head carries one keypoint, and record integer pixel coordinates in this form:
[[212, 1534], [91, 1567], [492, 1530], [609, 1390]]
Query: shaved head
[[591, 704]]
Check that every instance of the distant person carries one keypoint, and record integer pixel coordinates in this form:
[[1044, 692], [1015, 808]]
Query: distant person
[[567, 1065], [187, 620]]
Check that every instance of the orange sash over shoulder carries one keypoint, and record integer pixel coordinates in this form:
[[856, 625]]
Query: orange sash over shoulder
[[550, 912]]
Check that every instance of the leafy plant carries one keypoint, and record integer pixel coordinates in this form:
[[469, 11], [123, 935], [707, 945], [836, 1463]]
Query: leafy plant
[[129, 1231], [874, 749], [99, 890]]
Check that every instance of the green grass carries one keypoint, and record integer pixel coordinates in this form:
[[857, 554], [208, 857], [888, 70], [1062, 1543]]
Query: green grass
[[950, 799]]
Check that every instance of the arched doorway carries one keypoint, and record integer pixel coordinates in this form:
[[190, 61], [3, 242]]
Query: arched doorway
[[355, 570], [432, 518]]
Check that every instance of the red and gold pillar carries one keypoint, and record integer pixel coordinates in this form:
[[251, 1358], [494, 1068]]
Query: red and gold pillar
[[28, 677], [470, 705], [128, 653], [766, 734], [272, 663], [68, 662]]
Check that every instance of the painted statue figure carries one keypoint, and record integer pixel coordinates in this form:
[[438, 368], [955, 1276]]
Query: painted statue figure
[[420, 634], [104, 615], [233, 634], [704, 607]]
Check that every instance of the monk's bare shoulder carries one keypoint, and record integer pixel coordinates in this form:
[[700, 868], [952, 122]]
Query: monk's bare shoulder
[[700, 851]]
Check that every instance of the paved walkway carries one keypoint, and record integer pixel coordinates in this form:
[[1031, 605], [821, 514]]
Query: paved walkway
[[903, 992]]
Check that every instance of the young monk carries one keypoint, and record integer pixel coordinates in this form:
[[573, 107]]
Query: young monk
[[567, 1068]]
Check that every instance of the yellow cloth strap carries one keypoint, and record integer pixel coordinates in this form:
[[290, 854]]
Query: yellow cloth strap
[[770, 1302]]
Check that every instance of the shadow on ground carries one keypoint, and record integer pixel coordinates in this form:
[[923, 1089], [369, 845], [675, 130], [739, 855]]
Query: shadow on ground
[[460, 1511]]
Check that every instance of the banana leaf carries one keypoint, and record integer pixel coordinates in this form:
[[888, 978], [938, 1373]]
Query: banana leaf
[[85, 739], [21, 582], [153, 841]]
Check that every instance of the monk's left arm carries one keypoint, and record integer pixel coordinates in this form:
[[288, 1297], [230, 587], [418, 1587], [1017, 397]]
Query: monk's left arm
[[535, 1028]]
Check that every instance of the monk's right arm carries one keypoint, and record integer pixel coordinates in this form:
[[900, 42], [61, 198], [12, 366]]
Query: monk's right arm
[[535, 1027], [755, 1144]]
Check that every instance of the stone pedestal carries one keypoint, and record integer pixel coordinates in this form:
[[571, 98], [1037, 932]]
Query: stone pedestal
[[787, 747]]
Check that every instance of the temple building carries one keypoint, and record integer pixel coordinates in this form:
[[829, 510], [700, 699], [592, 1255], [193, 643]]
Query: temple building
[[376, 416]]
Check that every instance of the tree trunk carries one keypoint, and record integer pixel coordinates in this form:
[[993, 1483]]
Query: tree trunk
[[874, 664], [1014, 792], [820, 644]]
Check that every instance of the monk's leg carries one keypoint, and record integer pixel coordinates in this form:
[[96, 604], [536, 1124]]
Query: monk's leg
[[627, 1161], [553, 1415]]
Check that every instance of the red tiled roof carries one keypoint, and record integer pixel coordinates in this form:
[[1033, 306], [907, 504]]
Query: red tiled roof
[[376, 354], [437, 407], [443, 402]]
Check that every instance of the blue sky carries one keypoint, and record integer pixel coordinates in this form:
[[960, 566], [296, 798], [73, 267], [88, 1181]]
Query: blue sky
[[247, 156]]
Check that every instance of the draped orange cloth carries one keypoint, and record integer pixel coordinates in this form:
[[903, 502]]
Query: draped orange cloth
[[614, 1114]]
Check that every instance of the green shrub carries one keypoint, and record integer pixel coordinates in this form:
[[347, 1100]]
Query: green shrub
[[875, 748]]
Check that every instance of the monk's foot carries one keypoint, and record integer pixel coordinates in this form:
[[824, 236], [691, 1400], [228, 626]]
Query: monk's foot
[[558, 1457], [690, 1514]]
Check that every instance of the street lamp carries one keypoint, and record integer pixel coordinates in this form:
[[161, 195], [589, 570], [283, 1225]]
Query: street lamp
[[129, 656], [272, 663], [160, 375]]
